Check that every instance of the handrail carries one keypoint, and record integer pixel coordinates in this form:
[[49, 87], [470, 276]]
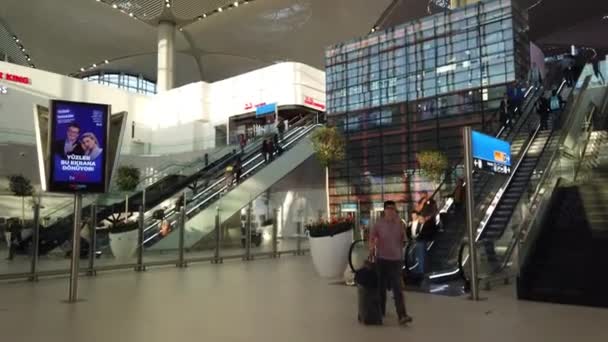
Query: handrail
[[492, 206]]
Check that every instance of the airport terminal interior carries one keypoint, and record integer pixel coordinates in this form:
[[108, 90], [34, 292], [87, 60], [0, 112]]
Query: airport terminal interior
[[330, 170]]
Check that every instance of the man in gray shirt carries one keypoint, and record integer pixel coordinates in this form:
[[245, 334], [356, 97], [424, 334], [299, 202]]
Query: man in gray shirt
[[387, 239]]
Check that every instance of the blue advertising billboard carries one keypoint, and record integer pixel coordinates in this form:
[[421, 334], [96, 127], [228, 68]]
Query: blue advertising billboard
[[78, 147], [491, 154]]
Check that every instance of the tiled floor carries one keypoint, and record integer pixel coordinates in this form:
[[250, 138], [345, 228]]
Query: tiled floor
[[268, 300]]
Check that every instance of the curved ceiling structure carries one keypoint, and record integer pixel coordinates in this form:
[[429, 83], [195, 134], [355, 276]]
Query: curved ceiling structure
[[222, 38]]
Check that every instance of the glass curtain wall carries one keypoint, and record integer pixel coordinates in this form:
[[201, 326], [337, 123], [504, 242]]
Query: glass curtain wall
[[412, 88], [135, 84]]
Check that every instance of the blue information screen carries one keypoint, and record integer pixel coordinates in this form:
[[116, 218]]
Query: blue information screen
[[491, 154], [78, 147], [266, 109]]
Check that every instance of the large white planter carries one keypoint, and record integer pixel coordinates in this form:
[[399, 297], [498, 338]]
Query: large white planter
[[330, 254], [124, 245]]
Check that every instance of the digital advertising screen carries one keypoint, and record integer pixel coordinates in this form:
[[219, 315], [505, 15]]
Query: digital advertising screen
[[78, 147], [491, 154]]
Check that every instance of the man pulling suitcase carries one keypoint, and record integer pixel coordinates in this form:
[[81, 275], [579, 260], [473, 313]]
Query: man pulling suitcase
[[386, 240]]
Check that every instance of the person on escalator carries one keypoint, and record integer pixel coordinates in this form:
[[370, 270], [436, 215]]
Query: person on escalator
[[238, 171], [459, 194], [556, 104], [275, 143], [229, 176], [595, 63], [271, 151], [543, 110], [386, 239], [265, 150], [427, 207], [503, 113]]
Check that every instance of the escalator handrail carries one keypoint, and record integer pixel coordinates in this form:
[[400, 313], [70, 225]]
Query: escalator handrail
[[500, 131], [492, 206], [304, 130], [253, 155], [535, 196], [213, 170], [210, 187]]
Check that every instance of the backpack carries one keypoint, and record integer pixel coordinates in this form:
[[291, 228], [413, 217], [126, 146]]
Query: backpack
[[555, 103]]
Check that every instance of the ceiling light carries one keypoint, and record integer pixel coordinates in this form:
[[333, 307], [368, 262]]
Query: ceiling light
[[17, 40], [236, 4], [219, 9], [130, 14], [605, 17], [181, 29], [106, 61], [204, 15], [168, 5], [114, 6], [15, 37], [94, 65], [82, 69]]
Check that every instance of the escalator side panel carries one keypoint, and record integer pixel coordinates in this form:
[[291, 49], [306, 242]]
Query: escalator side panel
[[203, 223]]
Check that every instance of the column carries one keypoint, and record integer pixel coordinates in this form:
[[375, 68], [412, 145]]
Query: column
[[166, 56]]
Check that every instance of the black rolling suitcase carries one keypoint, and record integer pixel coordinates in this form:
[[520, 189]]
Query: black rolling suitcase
[[368, 295]]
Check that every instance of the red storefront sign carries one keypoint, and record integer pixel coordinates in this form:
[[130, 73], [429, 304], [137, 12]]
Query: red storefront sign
[[250, 105], [313, 103], [14, 78]]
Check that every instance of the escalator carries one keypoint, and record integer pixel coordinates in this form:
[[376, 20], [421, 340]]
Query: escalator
[[201, 207], [563, 257], [443, 249], [150, 194]]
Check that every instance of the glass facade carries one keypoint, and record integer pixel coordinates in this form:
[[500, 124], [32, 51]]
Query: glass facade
[[136, 84], [412, 88]]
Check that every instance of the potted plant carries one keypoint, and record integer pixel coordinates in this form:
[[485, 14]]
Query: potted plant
[[123, 232], [433, 165], [22, 187], [329, 245], [328, 144]]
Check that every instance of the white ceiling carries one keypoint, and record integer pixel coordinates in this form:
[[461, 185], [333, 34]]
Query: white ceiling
[[64, 35]]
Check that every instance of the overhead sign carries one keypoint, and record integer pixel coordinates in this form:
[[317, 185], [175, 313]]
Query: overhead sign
[[14, 78], [348, 207], [266, 109], [78, 147], [491, 154]]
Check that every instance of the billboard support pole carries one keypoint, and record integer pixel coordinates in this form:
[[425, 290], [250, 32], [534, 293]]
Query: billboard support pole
[[468, 170], [74, 267]]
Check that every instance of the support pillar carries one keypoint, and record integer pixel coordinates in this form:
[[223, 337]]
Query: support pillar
[[166, 56]]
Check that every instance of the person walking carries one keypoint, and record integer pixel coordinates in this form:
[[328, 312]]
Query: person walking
[[386, 239]]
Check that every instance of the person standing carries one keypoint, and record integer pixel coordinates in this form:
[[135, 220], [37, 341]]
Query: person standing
[[387, 238], [238, 171], [543, 112], [14, 236], [265, 150], [281, 128], [242, 142], [595, 63], [276, 145], [270, 147]]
